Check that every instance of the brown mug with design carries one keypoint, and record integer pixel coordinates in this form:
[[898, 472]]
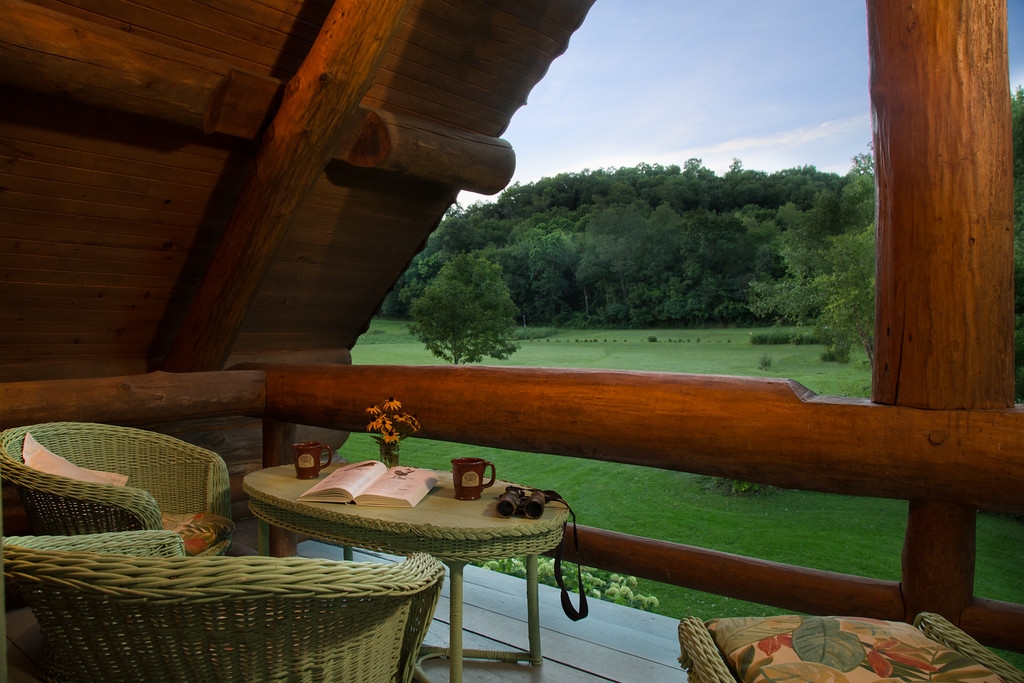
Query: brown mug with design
[[468, 477], [309, 458]]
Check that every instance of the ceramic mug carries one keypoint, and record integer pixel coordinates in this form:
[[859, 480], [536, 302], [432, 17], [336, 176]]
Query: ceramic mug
[[468, 477], [308, 458]]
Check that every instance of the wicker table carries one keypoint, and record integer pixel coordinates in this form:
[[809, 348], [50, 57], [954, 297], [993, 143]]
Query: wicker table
[[454, 531]]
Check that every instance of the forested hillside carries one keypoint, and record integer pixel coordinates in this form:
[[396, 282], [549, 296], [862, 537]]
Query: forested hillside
[[649, 246], [655, 246]]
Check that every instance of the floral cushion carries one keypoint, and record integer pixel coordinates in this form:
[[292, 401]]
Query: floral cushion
[[200, 532], [837, 650]]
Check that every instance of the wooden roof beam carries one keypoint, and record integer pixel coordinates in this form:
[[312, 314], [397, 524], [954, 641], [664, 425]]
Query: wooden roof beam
[[428, 150], [49, 52], [318, 101], [58, 55]]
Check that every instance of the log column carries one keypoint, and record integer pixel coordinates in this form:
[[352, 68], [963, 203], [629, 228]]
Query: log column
[[944, 310]]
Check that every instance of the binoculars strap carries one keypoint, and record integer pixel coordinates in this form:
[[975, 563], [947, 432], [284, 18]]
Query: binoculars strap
[[567, 606]]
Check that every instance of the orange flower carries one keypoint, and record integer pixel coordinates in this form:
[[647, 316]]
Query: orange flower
[[390, 425]]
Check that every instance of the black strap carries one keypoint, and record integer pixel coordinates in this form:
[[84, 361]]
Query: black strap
[[567, 606]]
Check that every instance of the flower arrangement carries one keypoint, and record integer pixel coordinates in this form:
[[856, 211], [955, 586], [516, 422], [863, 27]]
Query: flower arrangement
[[391, 426]]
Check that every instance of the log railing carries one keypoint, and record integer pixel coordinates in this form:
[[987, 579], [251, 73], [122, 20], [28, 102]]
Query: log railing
[[763, 431], [759, 430]]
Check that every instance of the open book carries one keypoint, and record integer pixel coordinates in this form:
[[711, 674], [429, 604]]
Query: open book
[[371, 483]]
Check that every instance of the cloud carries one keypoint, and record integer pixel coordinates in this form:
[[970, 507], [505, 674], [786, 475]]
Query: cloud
[[776, 85]]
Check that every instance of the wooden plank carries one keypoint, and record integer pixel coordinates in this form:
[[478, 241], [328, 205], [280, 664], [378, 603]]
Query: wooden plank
[[111, 195], [131, 179], [614, 643], [319, 99], [230, 43], [147, 215], [98, 139], [59, 367], [30, 270], [59, 257], [14, 228], [98, 298]]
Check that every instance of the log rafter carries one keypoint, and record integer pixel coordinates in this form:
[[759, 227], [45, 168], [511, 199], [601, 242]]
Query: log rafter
[[55, 54], [318, 102]]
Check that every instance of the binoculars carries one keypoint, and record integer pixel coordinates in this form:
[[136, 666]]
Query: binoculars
[[518, 500]]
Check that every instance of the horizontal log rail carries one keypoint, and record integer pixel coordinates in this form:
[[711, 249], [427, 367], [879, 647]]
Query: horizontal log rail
[[763, 430], [768, 583], [133, 400]]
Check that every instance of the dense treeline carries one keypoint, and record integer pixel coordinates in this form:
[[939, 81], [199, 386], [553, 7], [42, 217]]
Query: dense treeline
[[655, 246], [633, 247]]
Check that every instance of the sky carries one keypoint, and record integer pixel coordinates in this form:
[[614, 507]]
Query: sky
[[777, 85]]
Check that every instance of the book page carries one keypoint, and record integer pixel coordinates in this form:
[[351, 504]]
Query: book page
[[344, 484], [399, 487]]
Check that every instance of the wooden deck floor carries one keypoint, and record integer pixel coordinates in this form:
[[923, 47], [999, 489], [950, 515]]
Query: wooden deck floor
[[613, 643]]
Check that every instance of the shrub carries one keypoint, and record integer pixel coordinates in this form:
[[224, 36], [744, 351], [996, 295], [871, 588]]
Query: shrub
[[534, 333], [735, 487], [765, 363], [598, 584]]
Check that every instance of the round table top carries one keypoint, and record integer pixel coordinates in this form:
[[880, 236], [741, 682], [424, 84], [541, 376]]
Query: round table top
[[447, 528]]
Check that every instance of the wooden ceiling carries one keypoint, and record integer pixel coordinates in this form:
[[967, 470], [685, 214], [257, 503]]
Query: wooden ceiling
[[187, 184]]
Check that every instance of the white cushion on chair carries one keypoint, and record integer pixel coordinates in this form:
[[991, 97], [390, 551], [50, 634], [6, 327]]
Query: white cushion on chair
[[38, 457]]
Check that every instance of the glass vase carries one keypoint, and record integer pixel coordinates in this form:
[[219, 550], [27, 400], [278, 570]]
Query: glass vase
[[389, 454]]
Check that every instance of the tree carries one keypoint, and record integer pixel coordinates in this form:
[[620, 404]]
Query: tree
[[466, 312], [1017, 115], [830, 268]]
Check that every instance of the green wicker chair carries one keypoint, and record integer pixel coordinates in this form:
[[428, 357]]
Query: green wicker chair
[[105, 617], [705, 663], [165, 476]]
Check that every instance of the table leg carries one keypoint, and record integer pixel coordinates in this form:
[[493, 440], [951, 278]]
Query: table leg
[[455, 621], [455, 652], [262, 538], [533, 609]]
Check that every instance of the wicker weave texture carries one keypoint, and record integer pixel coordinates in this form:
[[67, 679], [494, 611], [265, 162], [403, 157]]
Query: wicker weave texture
[[138, 543], [164, 475], [446, 543], [700, 656], [226, 618], [941, 630], [704, 663]]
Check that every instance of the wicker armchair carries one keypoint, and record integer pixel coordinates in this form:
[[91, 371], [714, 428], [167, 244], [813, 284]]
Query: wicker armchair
[[105, 617], [165, 476], [705, 663]]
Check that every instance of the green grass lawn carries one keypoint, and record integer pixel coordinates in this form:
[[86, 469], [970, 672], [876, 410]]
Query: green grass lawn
[[861, 536], [717, 351]]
